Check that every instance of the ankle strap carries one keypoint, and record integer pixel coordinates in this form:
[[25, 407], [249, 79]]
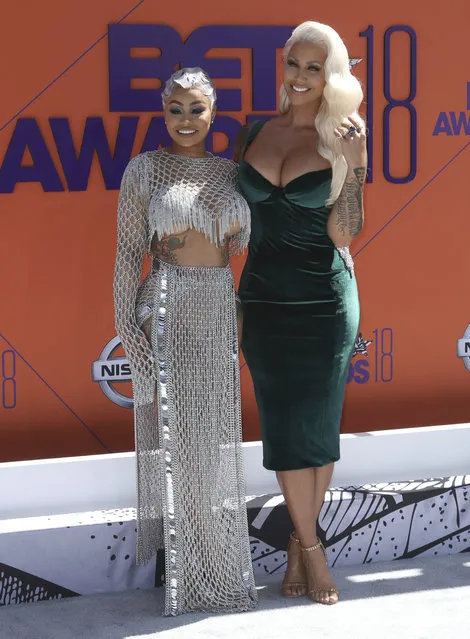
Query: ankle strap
[[312, 548], [294, 537]]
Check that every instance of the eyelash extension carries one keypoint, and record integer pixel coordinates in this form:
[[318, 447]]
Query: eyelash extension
[[194, 112], [291, 63]]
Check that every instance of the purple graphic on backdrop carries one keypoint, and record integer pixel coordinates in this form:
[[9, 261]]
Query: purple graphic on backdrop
[[162, 49], [8, 386], [372, 359], [123, 68]]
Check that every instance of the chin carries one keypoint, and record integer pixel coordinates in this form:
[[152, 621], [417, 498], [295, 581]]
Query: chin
[[300, 100], [187, 141]]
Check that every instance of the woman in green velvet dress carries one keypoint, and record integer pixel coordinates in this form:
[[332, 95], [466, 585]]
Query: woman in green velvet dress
[[302, 174]]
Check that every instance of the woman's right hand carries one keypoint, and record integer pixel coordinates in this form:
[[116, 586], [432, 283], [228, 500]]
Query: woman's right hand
[[352, 137]]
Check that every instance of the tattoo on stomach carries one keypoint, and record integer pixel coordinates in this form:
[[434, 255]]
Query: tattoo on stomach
[[167, 248]]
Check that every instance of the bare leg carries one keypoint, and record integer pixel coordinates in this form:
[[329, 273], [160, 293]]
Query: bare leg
[[298, 487], [322, 481], [295, 583], [304, 491]]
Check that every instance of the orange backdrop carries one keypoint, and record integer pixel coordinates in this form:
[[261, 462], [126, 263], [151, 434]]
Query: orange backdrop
[[58, 225]]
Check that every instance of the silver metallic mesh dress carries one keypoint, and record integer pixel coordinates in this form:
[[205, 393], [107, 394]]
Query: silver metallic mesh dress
[[185, 380]]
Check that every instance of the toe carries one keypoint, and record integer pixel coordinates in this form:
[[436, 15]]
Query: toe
[[323, 597]]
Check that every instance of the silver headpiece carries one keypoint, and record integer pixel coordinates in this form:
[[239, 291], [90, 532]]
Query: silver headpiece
[[190, 78]]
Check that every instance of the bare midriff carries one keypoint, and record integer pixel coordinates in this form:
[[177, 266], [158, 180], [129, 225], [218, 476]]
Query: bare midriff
[[191, 248]]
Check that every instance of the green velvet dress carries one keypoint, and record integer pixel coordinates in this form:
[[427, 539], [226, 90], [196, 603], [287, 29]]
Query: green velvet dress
[[301, 317]]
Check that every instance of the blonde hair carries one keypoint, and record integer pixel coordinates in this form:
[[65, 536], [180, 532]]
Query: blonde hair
[[342, 96]]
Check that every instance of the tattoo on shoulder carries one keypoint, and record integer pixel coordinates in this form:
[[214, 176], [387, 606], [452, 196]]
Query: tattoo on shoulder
[[167, 247]]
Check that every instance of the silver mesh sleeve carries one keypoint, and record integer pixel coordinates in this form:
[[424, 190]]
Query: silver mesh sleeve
[[131, 246]]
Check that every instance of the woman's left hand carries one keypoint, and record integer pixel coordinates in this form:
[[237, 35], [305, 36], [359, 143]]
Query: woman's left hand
[[352, 137]]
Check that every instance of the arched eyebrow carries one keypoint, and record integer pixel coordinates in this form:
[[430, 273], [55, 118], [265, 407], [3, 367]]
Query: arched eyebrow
[[181, 104], [308, 62]]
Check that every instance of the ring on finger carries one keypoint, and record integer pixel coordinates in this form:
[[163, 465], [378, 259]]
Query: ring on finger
[[351, 131]]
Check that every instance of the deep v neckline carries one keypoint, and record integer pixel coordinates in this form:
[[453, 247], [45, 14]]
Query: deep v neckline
[[278, 187], [286, 186]]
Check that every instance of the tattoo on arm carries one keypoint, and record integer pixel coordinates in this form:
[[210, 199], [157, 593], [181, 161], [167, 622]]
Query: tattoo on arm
[[167, 247], [349, 211], [360, 172]]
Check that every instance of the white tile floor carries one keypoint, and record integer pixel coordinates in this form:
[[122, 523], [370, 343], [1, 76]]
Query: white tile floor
[[413, 599]]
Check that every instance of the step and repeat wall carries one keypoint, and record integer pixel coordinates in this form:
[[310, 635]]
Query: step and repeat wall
[[81, 96]]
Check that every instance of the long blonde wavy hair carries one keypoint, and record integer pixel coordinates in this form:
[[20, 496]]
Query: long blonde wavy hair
[[342, 96]]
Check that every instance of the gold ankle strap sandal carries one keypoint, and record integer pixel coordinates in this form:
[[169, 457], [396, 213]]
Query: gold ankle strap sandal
[[300, 586], [315, 547], [314, 593]]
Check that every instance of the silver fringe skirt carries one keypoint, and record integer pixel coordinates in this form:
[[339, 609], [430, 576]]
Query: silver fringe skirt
[[191, 490]]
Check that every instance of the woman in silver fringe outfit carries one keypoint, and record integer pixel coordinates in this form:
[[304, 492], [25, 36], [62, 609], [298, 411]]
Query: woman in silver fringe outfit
[[181, 205]]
